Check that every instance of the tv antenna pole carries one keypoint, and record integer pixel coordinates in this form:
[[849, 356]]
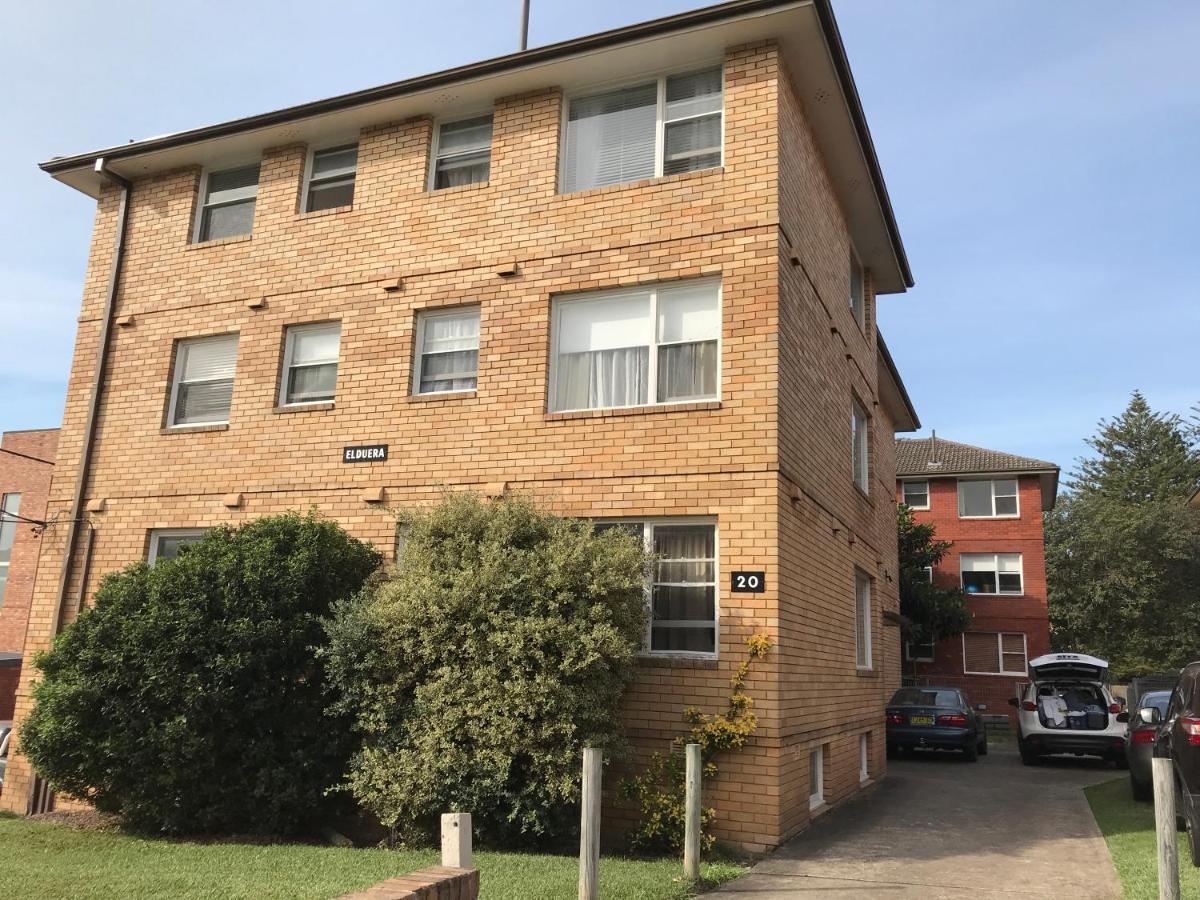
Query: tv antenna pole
[[524, 24]]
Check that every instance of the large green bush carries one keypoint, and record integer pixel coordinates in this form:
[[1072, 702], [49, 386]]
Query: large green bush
[[190, 697], [475, 673]]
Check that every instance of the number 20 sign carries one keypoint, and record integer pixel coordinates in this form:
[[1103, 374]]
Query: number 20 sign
[[748, 582]]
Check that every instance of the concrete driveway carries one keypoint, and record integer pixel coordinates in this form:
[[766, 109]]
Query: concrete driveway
[[938, 827]]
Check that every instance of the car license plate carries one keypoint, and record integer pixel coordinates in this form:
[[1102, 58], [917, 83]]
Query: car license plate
[[921, 720]]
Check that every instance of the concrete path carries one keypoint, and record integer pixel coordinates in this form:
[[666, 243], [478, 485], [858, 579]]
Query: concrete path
[[938, 827]]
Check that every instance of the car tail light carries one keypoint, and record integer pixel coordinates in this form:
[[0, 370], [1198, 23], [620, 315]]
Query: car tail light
[[1114, 708], [895, 719], [1145, 736], [1191, 727], [955, 719], [1029, 706]]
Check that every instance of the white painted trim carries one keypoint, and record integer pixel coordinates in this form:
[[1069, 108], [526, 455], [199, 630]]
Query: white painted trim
[[907, 481], [958, 493], [999, 653], [450, 312], [289, 340], [997, 593], [816, 798], [156, 533]]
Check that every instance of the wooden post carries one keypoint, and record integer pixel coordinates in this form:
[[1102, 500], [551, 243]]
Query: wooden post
[[456, 841], [589, 826], [1164, 820], [691, 817]]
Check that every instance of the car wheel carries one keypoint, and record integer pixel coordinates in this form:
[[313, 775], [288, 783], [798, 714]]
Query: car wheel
[[1028, 757], [971, 754], [1141, 791]]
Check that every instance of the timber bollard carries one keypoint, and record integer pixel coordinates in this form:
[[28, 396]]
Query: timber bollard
[[589, 826], [1164, 821], [691, 816]]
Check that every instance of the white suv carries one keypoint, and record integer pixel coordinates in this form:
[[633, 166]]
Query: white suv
[[1068, 708]]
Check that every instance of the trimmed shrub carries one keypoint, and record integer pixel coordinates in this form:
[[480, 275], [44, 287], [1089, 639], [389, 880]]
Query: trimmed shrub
[[190, 697], [475, 673]]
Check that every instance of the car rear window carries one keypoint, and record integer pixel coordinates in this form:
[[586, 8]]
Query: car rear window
[[921, 697], [1158, 700]]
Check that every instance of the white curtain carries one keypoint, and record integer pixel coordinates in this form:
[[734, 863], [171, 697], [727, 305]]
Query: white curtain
[[450, 353], [600, 378]]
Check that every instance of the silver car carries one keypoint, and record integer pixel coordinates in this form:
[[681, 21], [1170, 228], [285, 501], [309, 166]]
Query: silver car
[[1139, 741]]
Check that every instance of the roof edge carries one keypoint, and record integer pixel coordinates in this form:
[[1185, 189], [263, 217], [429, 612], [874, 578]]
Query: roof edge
[[885, 356]]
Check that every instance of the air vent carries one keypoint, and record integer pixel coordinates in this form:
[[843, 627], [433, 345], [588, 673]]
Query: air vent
[[821, 96]]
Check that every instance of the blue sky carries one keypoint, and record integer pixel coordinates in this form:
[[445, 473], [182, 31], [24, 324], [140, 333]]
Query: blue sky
[[1041, 157]]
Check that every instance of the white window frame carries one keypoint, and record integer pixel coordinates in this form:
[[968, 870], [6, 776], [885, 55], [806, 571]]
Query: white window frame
[[436, 139], [992, 481], [863, 625], [864, 757], [648, 524], [904, 492], [659, 120], [289, 343], [15, 520], [996, 563], [862, 479], [450, 312], [858, 305], [816, 792], [177, 374], [308, 174], [202, 198], [156, 533], [556, 304], [999, 654]]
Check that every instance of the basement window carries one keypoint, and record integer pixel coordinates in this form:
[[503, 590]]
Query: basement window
[[463, 153], [227, 203], [816, 777], [331, 175]]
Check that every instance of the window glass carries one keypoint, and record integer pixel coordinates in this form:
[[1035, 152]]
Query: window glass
[[975, 498], [692, 122], [1006, 497], [990, 653], [169, 543], [312, 361], [331, 182], [916, 494], [203, 388], [683, 594], [858, 302], [464, 152], [925, 697], [10, 508], [862, 625], [816, 777], [991, 573], [448, 351], [228, 207], [861, 443]]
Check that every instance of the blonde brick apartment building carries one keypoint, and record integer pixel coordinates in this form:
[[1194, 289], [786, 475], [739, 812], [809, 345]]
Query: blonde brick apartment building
[[633, 273]]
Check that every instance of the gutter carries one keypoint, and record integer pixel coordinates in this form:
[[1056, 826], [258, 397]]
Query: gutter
[[886, 355]]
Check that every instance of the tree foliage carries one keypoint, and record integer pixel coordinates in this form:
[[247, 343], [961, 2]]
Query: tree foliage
[[478, 669], [1123, 548], [189, 698], [933, 611]]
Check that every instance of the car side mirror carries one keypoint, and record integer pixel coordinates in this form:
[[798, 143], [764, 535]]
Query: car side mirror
[[1149, 715], [1014, 702], [981, 707]]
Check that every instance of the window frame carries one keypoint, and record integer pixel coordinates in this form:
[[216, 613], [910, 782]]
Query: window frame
[[816, 792], [202, 200], [558, 300], [435, 141], [856, 407], [177, 372], [15, 520], [648, 524], [904, 492], [1024, 673], [289, 344], [1017, 494], [307, 183], [153, 535], [996, 571], [858, 305], [863, 626], [443, 312], [659, 76], [910, 657]]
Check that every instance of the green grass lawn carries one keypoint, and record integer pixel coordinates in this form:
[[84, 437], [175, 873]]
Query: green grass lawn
[[43, 861], [1128, 828]]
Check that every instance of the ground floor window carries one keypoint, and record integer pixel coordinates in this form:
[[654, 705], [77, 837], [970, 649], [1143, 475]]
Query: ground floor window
[[993, 653], [816, 777], [683, 584], [167, 543]]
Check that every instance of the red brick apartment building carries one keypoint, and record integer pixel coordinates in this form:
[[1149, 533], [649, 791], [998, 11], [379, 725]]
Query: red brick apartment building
[[26, 466], [990, 505], [633, 273]]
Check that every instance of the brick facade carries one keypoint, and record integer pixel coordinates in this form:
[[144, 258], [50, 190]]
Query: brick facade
[[770, 461], [26, 467]]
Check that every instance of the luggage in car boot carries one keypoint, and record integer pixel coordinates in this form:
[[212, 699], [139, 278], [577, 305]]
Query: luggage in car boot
[[1097, 719]]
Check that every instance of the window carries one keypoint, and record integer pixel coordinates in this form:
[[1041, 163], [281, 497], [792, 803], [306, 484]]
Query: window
[[864, 757], [463, 154], [331, 178], [10, 508], [987, 499], [816, 777], [636, 347], [683, 585], [203, 387], [168, 543], [310, 361], [992, 653], [447, 351], [227, 208], [916, 494], [858, 295], [614, 137], [919, 651], [860, 427], [991, 573], [862, 619]]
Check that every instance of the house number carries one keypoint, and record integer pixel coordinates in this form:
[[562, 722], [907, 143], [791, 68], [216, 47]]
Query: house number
[[748, 582]]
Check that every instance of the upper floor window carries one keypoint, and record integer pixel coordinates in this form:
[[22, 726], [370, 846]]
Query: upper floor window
[[331, 176], [860, 426], [858, 291], [10, 508], [227, 203], [447, 351], [636, 347], [987, 499], [662, 127], [168, 543], [202, 387], [916, 494], [310, 361], [991, 573], [919, 651], [862, 619], [463, 154]]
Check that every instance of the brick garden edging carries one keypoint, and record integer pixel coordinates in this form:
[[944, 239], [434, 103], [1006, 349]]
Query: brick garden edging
[[433, 883]]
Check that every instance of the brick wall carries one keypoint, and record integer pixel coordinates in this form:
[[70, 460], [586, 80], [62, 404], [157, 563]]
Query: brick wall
[[724, 459]]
